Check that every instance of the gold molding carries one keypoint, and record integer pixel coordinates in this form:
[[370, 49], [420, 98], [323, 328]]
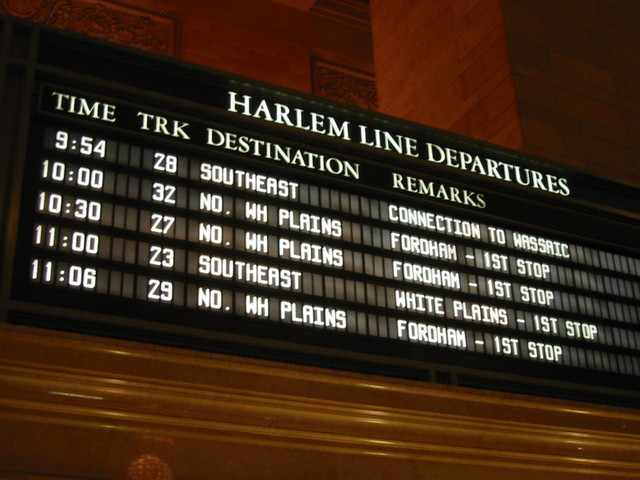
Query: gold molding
[[71, 387]]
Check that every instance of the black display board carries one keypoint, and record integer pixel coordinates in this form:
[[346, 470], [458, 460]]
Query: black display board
[[163, 202]]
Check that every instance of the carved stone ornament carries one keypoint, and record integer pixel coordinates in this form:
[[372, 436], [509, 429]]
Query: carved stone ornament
[[343, 85], [101, 19]]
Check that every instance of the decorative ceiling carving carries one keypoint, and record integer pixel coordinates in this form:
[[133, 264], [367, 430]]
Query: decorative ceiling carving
[[344, 85], [101, 19]]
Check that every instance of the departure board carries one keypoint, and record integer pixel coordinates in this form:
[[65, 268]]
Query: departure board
[[308, 225]]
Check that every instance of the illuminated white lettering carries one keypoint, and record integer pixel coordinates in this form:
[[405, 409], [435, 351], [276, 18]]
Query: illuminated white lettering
[[309, 252], [209, 233], [496, 169], [210, 202], [497, 235], [499, 288], [283, 153], [268, 276], [506, 346], [280, 113], [540, 245], [313, 315], [581, 330], [256, 211], [248, 181], [440, 191], [432, 334], [416, 273], [249, 272], [434, 222], [545, 324], [496, 261], [532, 269], [82, 107], [162, 125], [256, 242], [423, 246], [388, 141], [209, 298], [537, 296], [258, 306], [544, 351], [309, 223], [419, 302], [480, 313], [215, 266]]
